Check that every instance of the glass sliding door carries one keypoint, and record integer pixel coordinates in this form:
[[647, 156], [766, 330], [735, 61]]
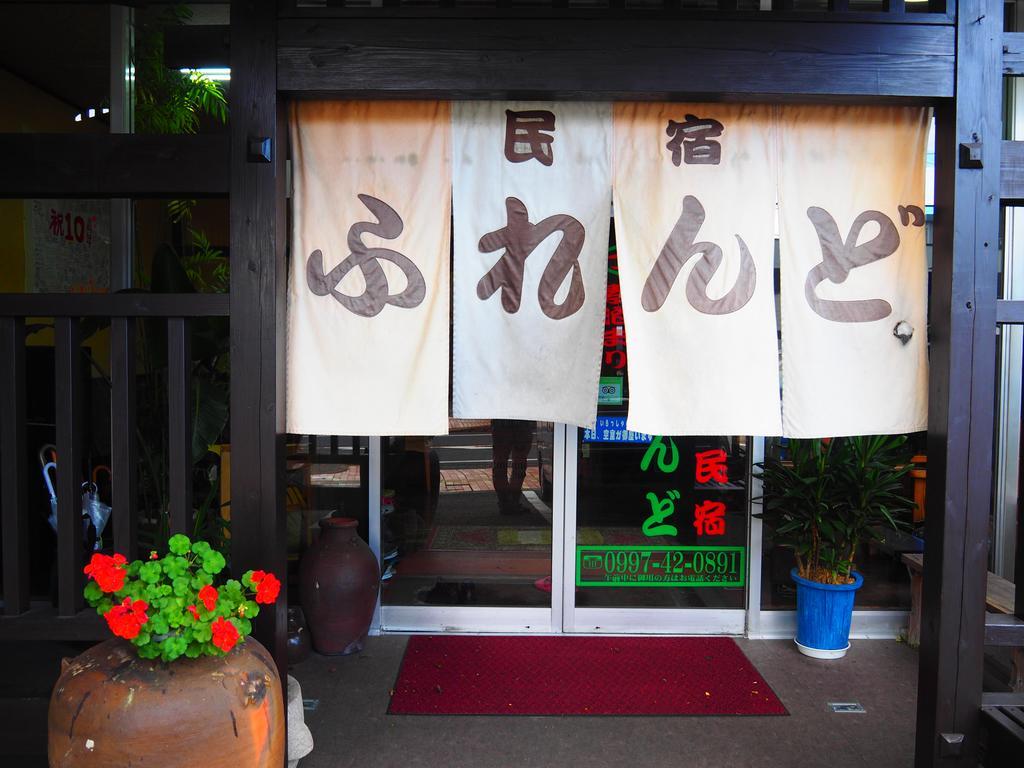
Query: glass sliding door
[[537, 528], [468, 523], [656, 536]]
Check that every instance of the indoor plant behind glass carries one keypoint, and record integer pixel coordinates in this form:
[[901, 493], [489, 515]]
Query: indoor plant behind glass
[[823, 502], [179, 685]]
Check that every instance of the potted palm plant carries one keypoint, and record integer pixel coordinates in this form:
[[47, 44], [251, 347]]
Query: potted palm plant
[[823, 502]]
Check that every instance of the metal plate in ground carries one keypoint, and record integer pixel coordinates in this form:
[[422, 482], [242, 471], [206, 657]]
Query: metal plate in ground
[[847, 707]]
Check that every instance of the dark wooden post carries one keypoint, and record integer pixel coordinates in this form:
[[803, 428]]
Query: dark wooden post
[[69, 465], [14, 498], [123, 445], [258, 141], [962, 392], [179, 423]]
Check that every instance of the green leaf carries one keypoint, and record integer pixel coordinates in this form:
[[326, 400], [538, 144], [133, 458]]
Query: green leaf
[[174, 565], [213, 562], [232, 590], [158, 624], [175, 615], [173, 647], [181, 586], [179, 544], [150, 572], [200, 548], [149, 651], [93, 592], [209, 416], [202, 632]]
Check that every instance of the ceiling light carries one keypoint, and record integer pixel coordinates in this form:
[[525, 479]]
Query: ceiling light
[[220, 74]]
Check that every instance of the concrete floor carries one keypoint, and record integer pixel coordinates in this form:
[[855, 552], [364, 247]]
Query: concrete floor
[[351, 727]]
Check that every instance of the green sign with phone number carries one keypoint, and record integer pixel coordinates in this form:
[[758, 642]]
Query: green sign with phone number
[[668, 566]]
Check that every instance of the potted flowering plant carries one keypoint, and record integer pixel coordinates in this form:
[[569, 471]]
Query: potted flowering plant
[[179, 660]]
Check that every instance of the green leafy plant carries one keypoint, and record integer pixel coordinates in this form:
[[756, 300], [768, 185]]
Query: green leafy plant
[[830, 496], [210, 382], [206, 266], [169, 607], [168, 100]]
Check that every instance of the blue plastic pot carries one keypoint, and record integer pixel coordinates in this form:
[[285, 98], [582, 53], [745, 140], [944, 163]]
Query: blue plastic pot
[[823, 615]]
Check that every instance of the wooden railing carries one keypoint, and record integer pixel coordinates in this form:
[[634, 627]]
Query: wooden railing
[[67, 311], [94, 166]]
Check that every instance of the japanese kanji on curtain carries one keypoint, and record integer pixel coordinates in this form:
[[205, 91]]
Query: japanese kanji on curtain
[[368, 304], [532, 202], [854, 274], [695, 188]]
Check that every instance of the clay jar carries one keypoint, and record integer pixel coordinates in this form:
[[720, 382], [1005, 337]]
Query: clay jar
[[110, 707], [298, 644], [339, 578]]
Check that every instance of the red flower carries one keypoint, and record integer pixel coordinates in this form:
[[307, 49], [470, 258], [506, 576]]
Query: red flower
[[267, 588], [208, 596], [225, 636], [194, 611], [126, 620], [108, 572]]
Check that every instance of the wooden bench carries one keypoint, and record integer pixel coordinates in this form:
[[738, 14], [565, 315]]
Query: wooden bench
[[999, 597]]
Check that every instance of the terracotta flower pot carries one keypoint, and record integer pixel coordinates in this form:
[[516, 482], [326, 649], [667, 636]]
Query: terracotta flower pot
[[110, 707], [339, 578]]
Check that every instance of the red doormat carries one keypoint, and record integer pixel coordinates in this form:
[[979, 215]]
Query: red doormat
[[446, 675]]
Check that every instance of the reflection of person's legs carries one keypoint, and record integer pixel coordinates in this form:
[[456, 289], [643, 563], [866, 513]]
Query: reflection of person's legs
[[501, 448], [521, 441], [520, 453]]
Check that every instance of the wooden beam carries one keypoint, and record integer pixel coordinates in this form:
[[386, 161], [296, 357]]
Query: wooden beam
[[258, 280], [70, 416], [41, 622], [113, 165], [179, 424], [588, 58], [670, 11], [1010, 311], [1011, 176], [13, 478], [114, 304], [1005, 630], [1013, 53], [1002, 699], [196, 46], [962, 396]]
